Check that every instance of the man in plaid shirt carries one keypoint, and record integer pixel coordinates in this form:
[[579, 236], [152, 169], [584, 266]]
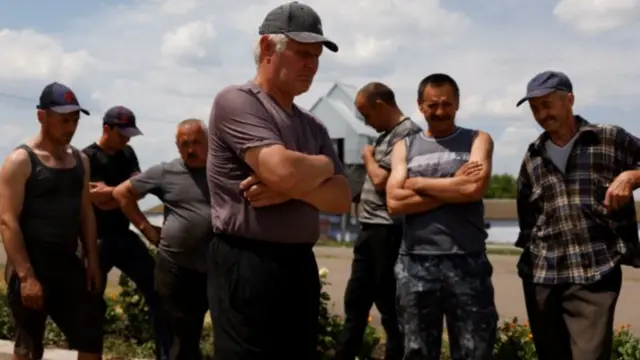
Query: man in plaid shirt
[[577, 223]]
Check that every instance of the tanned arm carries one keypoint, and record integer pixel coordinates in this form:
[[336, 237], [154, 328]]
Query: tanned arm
[[400, 200], [89, 236], [289, 172], [13, 177], [461, 189], [332, 196], [378, 175], [128, 198]]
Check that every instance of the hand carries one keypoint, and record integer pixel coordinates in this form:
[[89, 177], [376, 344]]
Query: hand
[[367, 151], [469, 169], [95, 281], [260, 195], [247, 183], [31, 293], [619, 192], [97, 185]]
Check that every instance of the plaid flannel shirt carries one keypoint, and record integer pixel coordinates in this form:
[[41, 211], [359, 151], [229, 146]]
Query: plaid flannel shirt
[[567, 234]]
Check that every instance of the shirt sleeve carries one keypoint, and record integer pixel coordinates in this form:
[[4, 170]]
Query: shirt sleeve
[[327, 149], [134, 165], [149, 181], [628, 149], [97, 173], [241, 121], [403, 132]]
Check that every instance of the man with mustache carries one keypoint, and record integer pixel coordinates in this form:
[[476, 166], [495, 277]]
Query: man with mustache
[[180, 277], [577, 223], [44, 209], [113, 161], [376, 250], [271, 169], [438, 179]]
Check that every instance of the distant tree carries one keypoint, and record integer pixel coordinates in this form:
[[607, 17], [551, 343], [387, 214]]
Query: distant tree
[[502, 186]]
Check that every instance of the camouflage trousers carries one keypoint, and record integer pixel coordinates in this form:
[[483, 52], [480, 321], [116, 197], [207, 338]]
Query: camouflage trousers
[[456, 287]]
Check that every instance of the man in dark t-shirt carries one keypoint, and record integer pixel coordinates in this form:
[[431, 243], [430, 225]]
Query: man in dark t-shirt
[[112, 162]]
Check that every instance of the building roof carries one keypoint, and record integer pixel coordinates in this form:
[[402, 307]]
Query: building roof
[[341, 97]]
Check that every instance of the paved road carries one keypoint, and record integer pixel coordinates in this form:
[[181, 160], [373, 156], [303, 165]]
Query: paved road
[[509, 299]]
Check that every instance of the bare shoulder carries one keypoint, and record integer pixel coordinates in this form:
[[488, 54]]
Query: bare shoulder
[[17, 164]]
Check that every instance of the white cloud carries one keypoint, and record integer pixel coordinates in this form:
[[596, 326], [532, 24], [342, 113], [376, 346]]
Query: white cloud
[[28, 55], [166, 59], [592, 16], [188, 40]]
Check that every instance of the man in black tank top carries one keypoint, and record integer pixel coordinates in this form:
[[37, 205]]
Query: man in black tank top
[[44, 210], [112, 162]]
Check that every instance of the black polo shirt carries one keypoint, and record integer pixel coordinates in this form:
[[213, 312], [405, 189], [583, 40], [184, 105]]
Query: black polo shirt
[[112, 169]]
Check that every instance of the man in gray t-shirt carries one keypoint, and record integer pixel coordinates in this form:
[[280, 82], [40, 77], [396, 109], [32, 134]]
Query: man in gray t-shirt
[[372, 279], [180, 277], [271, 170]]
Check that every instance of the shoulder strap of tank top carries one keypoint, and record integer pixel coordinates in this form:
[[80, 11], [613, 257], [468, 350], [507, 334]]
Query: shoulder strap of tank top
[[32, 155], [78, 158]]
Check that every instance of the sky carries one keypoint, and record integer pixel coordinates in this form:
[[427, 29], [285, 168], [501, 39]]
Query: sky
[[167, 59]]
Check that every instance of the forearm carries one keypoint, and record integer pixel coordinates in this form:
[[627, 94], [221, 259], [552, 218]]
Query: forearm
[[128, 203], [457, 189], [297, 174], [403, 201], [108, 205], [15, 250], [102, 195], [332, 196], [89, 236], [376, 174]]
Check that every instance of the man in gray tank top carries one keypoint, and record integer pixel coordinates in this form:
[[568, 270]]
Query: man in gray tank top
[[44, 210], [372, 279], [438, 179]]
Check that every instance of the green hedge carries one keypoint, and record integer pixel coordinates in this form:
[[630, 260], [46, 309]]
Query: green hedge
[[128, 333]]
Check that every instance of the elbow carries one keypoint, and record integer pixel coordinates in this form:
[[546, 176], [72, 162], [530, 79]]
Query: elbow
[[473, 192], [394, 207]]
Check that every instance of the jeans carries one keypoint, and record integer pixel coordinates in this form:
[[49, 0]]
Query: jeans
[[127, 252]]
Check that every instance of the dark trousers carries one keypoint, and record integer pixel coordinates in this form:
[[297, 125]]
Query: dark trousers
[[372, 282], [573, 321], [264, 298], [127, 252], [182, 293], [455, 287], [77, 312]]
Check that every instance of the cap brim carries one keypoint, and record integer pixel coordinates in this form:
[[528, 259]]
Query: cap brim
[[129, 131], [65, 109], [312, 38], [534, 94]]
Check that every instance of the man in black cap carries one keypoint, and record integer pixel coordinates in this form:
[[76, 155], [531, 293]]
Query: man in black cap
[[271, 169], [113, 161], [577, 223], [44, 209]]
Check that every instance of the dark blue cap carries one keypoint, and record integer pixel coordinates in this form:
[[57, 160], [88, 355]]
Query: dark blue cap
[[546, 83], [59, 98], [123, 120], [298, 22]]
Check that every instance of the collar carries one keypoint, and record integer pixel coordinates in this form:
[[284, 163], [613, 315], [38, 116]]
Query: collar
[[585, 128]]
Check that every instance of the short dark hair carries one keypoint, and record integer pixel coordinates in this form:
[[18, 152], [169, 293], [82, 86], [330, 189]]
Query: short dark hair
[[375, 91], [437, 79]]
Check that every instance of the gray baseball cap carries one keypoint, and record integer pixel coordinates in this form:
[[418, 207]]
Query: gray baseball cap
[[298, 22], [545, 83]]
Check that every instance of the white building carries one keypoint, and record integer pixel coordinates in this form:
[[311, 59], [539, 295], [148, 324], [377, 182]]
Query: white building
[[346, 126]]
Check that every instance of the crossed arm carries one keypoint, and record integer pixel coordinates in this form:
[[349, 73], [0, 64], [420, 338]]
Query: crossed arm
[[400, 200], [465, 186]]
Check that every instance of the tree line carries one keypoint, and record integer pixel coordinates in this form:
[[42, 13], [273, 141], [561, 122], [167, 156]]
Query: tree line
[[502, 186]]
